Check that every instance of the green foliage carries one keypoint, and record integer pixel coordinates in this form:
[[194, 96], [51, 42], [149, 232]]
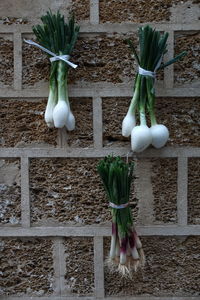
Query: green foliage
[[55, 34], [117, 176], [153, 46]]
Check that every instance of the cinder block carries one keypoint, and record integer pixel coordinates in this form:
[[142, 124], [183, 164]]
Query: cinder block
[[35, 65], [22, 124], [180, 115], [31, 11], [164, 184], [7, 62], [81, 9], [79, 277], [164, 256], [82, 136], [141, 11], [114, 110], [103, 58], [193, 191], [10, 192], [187, 71], [26, 267], [67, 191]]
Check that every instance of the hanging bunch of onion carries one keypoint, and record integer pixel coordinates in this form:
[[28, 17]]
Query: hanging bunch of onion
[[152, 47], [58, 37], [126, 253]]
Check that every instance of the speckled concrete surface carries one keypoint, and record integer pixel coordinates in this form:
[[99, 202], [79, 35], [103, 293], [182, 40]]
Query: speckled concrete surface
[[81, 9], [7, 63], [22, 124], [26, 267], [180, 115], [193, 191], [187, 71], [172, 269], [82, 136], [68, 191], [10, 192], [164, 184], [142, 11], [79, 275]]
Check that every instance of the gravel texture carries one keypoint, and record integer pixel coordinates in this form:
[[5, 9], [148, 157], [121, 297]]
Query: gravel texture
[[22, 123], [193, 191], [26, 267], [81, 9], [140, 11], [164, 184], [7, 62], [164, 256], [114, 110], [68, 191], [10, 192], [79, 277], [82, 136], [103, 58], [187, 71], [35, 65], [180, 115]]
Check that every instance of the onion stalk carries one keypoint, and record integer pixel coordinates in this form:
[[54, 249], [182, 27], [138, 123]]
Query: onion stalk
[[126, 253], [59, 37], [152, 47]]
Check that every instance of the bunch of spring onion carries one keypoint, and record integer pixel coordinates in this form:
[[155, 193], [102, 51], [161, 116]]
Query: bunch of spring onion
[[126, 253], [59, 37], [152, 47]]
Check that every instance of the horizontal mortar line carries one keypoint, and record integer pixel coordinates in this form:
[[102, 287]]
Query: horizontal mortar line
[[49, 297], [105, 298], [94, 231], [101, 89], [95, 153], [133, 27], [109, 27]]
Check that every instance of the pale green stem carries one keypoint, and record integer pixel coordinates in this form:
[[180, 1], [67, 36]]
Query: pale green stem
[[153, 118], [61, 79], [134, 100], [53, 91], [143, 118]]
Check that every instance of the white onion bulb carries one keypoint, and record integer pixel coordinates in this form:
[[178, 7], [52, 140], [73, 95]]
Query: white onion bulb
[[70, 124], [140, 138], [160, 135], [128, 124], [60, 114]]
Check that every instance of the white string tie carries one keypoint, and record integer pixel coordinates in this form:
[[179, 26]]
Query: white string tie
[[113, 205], [54, 57], [144, 72]]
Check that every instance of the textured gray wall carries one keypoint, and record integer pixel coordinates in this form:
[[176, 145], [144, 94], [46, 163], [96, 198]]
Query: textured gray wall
[[54, 220]]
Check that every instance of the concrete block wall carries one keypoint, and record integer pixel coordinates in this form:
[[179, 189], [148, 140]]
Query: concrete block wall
[[54, 219]]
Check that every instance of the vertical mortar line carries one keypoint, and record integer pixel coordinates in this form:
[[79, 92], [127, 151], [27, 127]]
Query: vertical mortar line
[[94, 11], [143, 172], [62, 138], [99, 267], [182, 205], [169, 71], [25, 195], [17, 41], [59, 266], [97, 123]]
